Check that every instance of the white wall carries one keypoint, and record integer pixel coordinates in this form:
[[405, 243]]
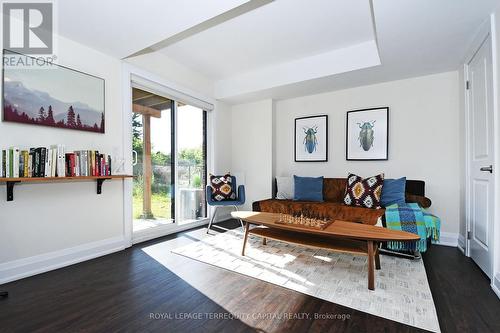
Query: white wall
[[222, 142], [423, 139], [252, 148], [46, 218], [163, 66], [52, 225]]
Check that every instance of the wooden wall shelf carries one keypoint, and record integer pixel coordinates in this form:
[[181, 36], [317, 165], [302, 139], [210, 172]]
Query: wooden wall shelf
[[99, 180]]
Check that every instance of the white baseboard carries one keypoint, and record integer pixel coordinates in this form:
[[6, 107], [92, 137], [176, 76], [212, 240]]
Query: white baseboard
[[461, 243], [161, 231], [495, 284], [21, 268], [447, 239]]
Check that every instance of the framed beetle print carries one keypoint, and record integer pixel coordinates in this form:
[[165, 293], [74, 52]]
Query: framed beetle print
[[367, 134], [311, 139]]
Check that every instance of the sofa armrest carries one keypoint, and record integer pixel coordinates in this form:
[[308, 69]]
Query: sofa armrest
[[424, 202], [256, 206]]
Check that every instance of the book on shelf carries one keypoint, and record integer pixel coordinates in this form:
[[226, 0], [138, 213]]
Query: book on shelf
[[2, 162], [53, 161]]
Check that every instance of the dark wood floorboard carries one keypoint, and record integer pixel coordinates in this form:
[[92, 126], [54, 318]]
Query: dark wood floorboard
[[462, 293], [121, 291]]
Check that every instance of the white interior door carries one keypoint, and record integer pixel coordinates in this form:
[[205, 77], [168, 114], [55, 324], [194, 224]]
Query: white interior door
[[481, 157]]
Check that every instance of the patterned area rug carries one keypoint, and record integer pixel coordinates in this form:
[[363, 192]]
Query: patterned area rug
[[401, 293]]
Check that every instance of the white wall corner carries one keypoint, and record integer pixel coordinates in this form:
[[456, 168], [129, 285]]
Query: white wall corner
[[25, 267], [461, 243], [447, 239]]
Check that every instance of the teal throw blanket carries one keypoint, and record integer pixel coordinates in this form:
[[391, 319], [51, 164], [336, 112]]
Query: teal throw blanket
[[410, 217]]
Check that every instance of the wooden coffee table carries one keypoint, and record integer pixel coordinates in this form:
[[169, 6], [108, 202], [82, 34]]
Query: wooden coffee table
[[340, 236]]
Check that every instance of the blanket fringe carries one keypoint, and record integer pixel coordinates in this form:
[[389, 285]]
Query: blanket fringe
[[420, 245]]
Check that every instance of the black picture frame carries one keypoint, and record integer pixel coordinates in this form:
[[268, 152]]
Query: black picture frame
[[323, 159], [349, 137], [85, 128]]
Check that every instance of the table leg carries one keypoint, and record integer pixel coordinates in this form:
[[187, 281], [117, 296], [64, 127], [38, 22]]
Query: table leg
[[377, 258], [247, 228], [371, 260]]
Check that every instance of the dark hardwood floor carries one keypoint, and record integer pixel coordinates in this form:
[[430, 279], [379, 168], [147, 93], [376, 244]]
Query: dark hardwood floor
[[129, 291]]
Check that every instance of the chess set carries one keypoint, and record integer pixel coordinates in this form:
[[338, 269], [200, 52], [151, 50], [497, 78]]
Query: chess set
[[304, 221]]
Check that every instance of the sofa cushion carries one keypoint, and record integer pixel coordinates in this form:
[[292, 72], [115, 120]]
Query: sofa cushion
[[364, 192], [332, 210], [284, 188], [308, 188], [222, 188], [393, 192]]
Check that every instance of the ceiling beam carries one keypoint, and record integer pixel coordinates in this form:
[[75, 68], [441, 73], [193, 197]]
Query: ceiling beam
[[354, 57], [146, 110], [216, 20], [152, 100], [138, 98]]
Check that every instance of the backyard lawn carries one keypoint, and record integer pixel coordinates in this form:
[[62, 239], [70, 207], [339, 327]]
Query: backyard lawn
[[160, 206]]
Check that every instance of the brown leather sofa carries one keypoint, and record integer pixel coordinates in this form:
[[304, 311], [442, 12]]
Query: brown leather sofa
[[333, 205]]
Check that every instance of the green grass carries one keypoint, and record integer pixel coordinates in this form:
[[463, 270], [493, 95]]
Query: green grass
[[160, 206]]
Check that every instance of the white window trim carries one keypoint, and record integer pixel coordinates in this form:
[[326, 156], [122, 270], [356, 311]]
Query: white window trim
[[135, 76]]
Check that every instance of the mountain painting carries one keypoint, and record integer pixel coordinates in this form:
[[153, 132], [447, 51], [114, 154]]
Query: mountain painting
[[56, 97]]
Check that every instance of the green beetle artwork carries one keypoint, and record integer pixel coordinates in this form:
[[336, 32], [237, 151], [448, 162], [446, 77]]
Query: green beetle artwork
[[366, 134]]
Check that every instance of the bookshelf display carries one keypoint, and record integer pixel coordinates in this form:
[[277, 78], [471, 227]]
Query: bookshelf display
[[10, 182]]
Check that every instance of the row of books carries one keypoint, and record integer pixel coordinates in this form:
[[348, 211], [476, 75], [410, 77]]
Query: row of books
[[53, 161]]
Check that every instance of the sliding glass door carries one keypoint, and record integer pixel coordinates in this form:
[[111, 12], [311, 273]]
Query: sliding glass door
[[191, 163], [169, 162]]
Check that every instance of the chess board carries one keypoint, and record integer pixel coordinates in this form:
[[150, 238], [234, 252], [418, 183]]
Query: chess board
[[304, 221]]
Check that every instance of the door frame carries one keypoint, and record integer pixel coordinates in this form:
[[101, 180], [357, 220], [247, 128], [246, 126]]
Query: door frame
[[483, 34], [129, 72]]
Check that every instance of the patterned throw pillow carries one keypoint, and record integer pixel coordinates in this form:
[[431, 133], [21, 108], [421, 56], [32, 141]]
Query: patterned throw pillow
[[222, 188], [364, 192]]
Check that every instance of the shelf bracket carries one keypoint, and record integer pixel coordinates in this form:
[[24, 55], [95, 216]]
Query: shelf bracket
[[10, 191], [99, 184]]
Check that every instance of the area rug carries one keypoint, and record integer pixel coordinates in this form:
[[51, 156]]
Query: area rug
[[401, 292]]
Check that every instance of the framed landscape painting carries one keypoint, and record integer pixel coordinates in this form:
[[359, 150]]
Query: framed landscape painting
[[311, 139], [53, 96], [367, 134]]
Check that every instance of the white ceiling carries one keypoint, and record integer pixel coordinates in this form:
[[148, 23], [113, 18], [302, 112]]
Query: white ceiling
[[414, 37], [281, 31], [123, 27], [309, 45]]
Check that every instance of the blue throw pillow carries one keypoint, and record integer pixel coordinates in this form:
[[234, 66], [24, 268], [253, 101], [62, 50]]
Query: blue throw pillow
[[393, 192], [308, 188]]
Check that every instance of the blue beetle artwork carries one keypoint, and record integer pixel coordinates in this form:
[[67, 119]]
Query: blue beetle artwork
[[366, 135], [310, 140]]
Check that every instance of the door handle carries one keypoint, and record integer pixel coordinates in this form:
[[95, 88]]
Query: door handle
[[134, 158], [487, 169]]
